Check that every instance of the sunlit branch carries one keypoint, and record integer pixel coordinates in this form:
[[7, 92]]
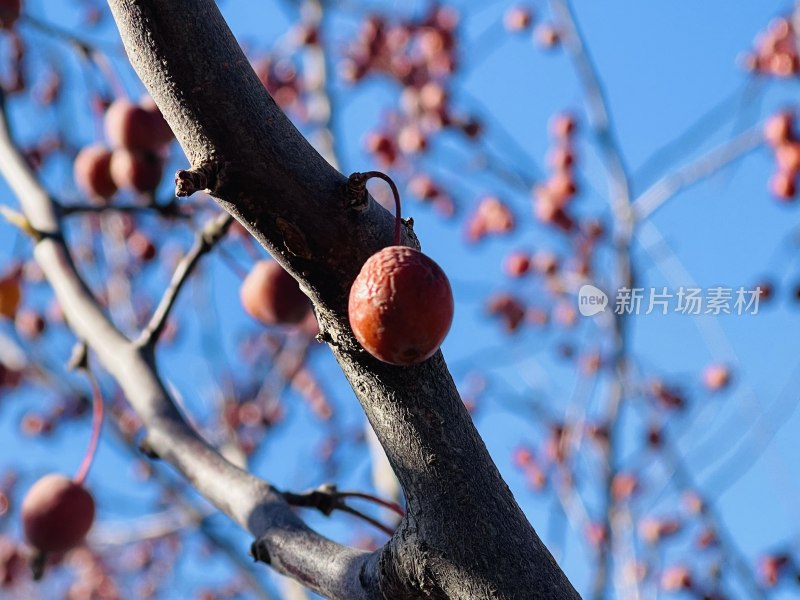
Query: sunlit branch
[[703, 167]]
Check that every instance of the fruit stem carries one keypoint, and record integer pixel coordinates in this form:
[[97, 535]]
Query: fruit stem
[[97, 425], [397, 222], [393, 506]]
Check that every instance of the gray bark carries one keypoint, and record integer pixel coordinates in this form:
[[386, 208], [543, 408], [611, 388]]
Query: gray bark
[[464, 535]]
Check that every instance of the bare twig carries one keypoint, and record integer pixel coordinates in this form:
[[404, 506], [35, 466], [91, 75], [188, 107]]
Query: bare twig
[[205, 240], [171, 209], [327, 499], [705, 166]]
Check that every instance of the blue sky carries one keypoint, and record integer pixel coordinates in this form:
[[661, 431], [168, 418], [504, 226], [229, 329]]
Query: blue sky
[[663, 65]]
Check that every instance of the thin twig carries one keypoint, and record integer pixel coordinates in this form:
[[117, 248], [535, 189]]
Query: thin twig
[[705, 166], [206, 239], [393, 506], [374, 522], [327, 499], [171, 209], [84, 45]]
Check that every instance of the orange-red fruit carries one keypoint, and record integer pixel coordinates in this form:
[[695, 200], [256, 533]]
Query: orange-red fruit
[[783, 185], [92, 171], [517, 18], [401, 306], [134, 127], [787, 155], [9, 12], [547, 36], [137, 171], [57, 513], [10, 294], [562, 126], [778, 128], [716, 377], [517, 264], [270, 295]]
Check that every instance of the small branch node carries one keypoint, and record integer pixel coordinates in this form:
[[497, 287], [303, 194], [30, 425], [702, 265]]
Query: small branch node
[[357, 197], [79, 359], [259, 552], [202, 178], [147, 449], [21, 222]]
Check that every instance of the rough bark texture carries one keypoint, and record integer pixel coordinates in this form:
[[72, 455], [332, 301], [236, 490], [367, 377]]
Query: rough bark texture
[[464, 535]]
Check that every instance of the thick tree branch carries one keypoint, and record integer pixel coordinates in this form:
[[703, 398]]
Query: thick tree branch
[[464, 535], [284, 540]]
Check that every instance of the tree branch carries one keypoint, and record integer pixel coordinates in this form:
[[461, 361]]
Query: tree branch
[[284, 540], [260, 169], [205, 240]]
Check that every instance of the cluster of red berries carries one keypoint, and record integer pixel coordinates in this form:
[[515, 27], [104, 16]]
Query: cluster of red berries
[[421, 56], [138, 135], [491, 217], [779, 134], [413, 52], [511, 309], [775, 51], [424, 188], [552, 198], [519, 19]]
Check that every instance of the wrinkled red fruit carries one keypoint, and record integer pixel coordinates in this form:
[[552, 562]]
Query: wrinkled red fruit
[[57, 513], [270, 295], [401, 306], [92, 171]]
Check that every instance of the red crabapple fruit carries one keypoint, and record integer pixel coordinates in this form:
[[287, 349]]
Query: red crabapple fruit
[[139, 171], [270, 295], [135, 127], [401, 306], [57, 513], [778, 128], [92, 171]]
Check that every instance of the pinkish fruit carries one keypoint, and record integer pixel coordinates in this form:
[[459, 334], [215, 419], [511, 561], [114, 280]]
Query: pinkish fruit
[[138, 171], [778, 128], [136, 128], [92, 171], [270, 295]]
